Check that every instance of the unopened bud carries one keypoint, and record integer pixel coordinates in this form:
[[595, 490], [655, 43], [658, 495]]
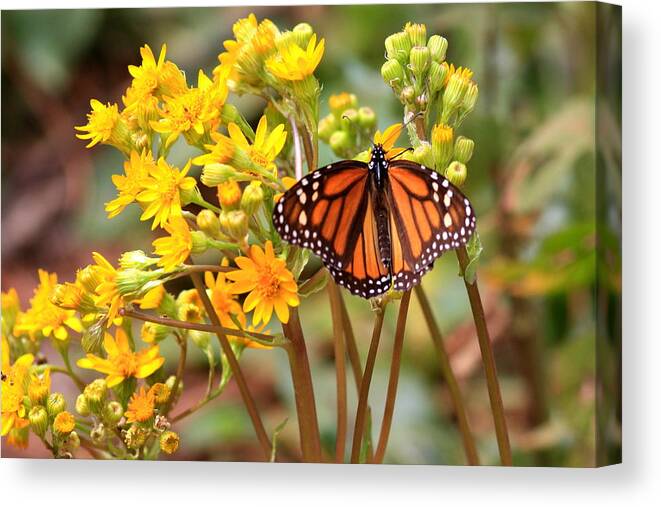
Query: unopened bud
[[199, 242], [215, 174], [38, 417], [419, 60], [436, 76], [207, 221], [393, 74], [152, 332], [340, 142], [470, 98], [234, 224], [341, 102], [89, 277], [229, 195], [398, 46], [252, 198], [82, 406], [442, 144], [55, 404], [327, 125], [113, 412], [437, 46], [457, 173], [303, 33], [463, 149], [366, 118], [95, 392], [417, 33], [423, 155], [73, 441]]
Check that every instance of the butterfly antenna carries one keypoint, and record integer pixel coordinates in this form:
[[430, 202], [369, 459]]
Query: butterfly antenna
[[404, 125], [401, 153]]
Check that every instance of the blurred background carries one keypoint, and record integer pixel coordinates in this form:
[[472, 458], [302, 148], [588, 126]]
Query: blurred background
[[538, 179]]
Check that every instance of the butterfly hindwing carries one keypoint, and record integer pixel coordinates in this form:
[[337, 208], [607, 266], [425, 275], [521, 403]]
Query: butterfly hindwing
[[428, 216]]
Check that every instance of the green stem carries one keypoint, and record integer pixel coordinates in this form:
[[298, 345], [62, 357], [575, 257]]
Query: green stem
[[235, 368], [64, 352], [361, 411], [183, 346], [340, 370], [488, 362], [303, 389], [394, 378], [470, 449]]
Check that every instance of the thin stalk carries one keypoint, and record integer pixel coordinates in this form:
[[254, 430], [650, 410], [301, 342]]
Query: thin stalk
[[298, 157], [340, 370], [361, 411], [235, 368], [64, 353], [470, 449], [261, 337], [310, 151], [394, 378], [183, 346], [306, 410], [488, 362]]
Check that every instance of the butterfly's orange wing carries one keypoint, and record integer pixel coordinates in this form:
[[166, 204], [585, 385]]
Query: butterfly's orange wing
[[330, 212], [428, 216]]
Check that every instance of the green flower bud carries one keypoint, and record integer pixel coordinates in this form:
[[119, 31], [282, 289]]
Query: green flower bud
[[200, 338], [285, 39], [89, 278], [340, 142], [55, 404], [470, 98], [436, 76], [234, 224], [200, 242], [252, 198], [423, 154], [306, 89], [457, 173], [82, 407], [393, 74], [417, 33], [215, 174], [463, 149], [454, 92], [437, 46], [366, 118], [442, 144], [136, 259], [327, 125], [92, 338], [73, 441], [95, 392], [113, 412], [303, 33], [207, 221], [419, 60], [398, 46], [38, 417], [134, 281], [230, 114], [154, 333]]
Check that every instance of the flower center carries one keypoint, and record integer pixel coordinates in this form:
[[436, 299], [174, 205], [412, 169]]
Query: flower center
[[126, 363], [269, 285]]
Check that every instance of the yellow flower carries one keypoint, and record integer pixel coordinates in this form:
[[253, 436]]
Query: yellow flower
[[224, 299], [39, 387], [464, 73], [121, 361], [174, 249], [162, 192], [194, 112], [107, 292], [269, 283], [11, 307], [220, 153], [169, 442], [265, 148], [129, 185], [45, 317], [64, 423], [141, 406], [153, 298], [105, 125], [388, 139], [156, 77], [14, 379], [292, 63]]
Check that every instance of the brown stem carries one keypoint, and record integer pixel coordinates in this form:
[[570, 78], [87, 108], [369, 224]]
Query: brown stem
[[310, 152], [303, 390], [203, 268], [340, 370], [488, 362], [189, 325], [361, 411], [470, 449], [234, 366], [394, 378]]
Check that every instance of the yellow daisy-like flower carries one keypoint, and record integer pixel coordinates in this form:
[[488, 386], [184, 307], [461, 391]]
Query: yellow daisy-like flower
[[266, 146], [174, 249], [141, 406], [292, 63], [153, 298], [224, 300], [130, 184], [107, 292], [194, 112], [462, 72], [13, 390], [388, 139], [160, 77], [121, 361], [101, 123], [269, 283], [45, 317], [162, 192]]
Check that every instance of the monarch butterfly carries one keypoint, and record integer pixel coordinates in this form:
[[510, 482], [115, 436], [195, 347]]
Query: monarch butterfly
[[376, 225]]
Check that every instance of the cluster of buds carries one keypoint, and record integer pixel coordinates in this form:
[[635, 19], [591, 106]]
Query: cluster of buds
[[348, 128]]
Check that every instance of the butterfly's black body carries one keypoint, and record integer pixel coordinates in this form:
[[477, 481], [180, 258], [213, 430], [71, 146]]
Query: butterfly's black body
[[376, 225]]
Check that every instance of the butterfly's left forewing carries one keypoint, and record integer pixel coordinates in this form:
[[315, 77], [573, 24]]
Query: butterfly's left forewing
[[428, 216]]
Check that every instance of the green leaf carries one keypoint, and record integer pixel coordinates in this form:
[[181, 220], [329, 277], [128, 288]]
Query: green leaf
[[474, 249], [274, 439]]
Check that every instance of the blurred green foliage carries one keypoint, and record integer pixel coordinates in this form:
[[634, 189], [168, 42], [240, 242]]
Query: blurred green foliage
[[532, 181]]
